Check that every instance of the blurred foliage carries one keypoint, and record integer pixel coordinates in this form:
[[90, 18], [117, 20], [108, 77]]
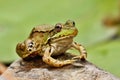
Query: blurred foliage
[[18, 17]]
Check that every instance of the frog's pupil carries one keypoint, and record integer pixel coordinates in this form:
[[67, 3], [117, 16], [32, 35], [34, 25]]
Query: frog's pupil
[[30, 44], [30, 49]]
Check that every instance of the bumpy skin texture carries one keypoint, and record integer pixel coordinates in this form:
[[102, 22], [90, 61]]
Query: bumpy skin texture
[[47, 41]]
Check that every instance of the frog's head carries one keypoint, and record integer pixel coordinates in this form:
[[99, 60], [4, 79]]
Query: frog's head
[[67, 30], [27, 49]]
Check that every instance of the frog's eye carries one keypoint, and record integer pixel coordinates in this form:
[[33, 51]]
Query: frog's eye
[[58, 27], [29, 49], [30, 45]]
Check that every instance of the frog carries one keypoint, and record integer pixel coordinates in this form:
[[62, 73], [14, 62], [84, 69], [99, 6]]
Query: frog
[[52, 40]]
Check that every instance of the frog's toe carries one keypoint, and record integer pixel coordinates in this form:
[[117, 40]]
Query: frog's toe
[[76, 57], [81, 57], [69, 61]]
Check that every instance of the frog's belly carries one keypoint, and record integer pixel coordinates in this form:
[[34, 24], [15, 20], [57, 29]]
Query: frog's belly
[[62, 46]]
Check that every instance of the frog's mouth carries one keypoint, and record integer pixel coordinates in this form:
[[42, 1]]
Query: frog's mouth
[[32, 55], [26, 55]]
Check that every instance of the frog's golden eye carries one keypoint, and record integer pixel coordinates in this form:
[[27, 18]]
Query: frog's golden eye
[[30, 44], [58, 27]]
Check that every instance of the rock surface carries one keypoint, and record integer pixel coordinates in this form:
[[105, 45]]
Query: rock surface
[[36, 69]]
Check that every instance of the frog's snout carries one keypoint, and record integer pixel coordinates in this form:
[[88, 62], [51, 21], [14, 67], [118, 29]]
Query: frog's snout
[[20, 47]]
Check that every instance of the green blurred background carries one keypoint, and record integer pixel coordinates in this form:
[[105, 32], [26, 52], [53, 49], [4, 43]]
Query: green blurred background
[[18, 17]]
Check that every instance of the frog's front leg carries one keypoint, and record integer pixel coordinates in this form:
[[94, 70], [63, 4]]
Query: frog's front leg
[[81, 49], [54, 62]]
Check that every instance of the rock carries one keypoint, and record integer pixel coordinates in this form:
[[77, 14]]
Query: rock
[[36, 69]]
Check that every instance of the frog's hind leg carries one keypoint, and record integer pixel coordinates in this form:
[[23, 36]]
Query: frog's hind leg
[[54, 62], [81, 49]]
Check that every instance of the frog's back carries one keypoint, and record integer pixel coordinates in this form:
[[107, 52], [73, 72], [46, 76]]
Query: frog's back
[[43, 28], [40, 34]]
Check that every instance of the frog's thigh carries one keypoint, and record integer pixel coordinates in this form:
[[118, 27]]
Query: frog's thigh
[[81, 49], [54, 62]]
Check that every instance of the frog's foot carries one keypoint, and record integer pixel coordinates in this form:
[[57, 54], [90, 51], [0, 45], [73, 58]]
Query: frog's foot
[[81, 57], [81, 49], [54, 62]]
